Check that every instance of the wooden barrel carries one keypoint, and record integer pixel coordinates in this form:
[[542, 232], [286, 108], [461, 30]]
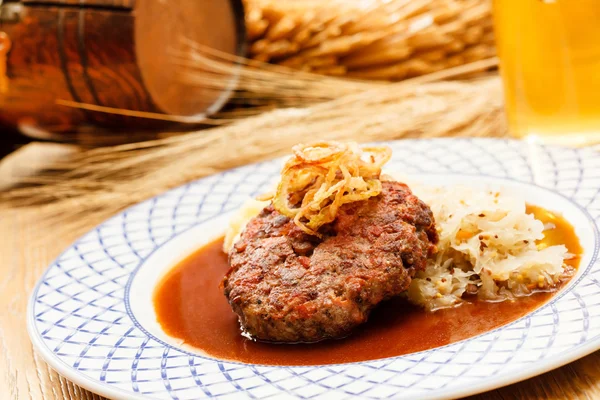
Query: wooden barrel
[[112, 53]]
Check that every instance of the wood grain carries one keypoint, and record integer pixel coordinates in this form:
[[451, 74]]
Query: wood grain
[[72, 54], [28, 246], [107, 53]]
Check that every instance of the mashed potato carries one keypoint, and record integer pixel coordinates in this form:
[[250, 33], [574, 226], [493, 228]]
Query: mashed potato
[[250, 209], [487, 247]]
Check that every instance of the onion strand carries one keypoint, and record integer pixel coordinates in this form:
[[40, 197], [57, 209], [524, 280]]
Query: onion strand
[[321, 177]]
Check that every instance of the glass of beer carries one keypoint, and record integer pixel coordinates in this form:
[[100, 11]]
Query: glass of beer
[[550, 64]]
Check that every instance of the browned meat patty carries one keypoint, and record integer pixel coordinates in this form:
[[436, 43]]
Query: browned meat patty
[[287, 286]]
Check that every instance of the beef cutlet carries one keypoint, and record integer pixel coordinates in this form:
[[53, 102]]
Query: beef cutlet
[[288, 286]]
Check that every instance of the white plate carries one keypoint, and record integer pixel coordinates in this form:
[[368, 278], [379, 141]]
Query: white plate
[[91, 317]]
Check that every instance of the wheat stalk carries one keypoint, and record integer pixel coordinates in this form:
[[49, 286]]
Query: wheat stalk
[[374, 39], [99, 182]]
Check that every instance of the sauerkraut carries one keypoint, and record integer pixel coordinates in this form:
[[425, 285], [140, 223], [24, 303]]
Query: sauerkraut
[[487, 248]]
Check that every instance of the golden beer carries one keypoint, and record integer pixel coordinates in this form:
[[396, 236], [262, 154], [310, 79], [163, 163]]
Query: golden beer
[[550, 64]]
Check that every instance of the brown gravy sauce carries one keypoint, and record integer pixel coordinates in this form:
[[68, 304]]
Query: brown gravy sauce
[[190, 306]]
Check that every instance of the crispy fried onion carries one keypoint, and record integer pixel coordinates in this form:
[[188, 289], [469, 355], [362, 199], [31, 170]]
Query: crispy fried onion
[[323, 176]]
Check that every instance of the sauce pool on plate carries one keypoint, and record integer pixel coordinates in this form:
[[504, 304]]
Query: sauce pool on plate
[[191, 306]]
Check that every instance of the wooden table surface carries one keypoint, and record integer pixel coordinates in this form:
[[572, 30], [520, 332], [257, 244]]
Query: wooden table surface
[[27, 248]]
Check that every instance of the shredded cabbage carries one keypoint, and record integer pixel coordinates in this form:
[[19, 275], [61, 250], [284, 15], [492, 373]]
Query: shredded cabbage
[[487, 247]]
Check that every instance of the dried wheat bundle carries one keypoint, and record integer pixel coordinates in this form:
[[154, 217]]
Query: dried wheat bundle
[[102, 181], [370, 39]]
